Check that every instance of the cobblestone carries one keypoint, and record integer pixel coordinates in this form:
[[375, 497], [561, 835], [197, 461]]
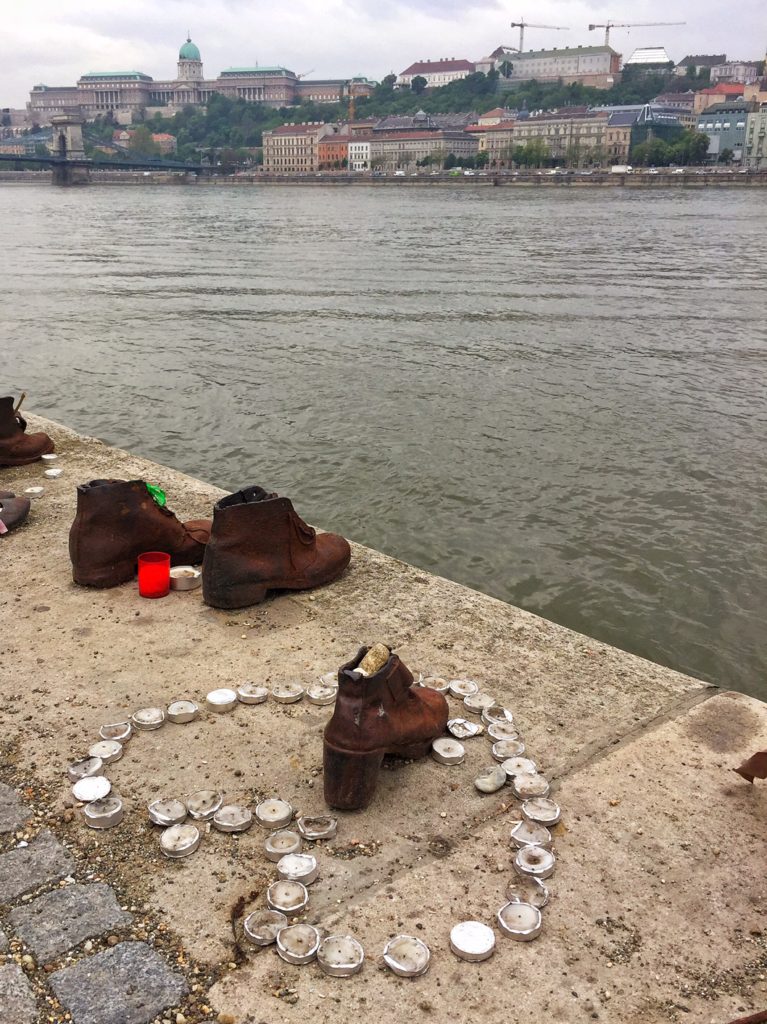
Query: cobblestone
[[129, 984], [13, 813], [3, 941], [22, 869], [56, 922], [16, 999]]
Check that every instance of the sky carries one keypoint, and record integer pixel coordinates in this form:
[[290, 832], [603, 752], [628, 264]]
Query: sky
[[55, 41]]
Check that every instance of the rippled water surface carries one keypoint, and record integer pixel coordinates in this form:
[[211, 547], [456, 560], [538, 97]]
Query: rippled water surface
[[557, 399]]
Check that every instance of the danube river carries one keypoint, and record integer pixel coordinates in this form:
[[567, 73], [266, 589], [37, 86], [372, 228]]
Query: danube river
[[560, 400]]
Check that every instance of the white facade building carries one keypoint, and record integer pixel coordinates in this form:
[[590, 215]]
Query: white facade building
[[436, 72]]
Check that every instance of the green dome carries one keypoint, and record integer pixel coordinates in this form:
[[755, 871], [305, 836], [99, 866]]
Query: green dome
[[189, 51]]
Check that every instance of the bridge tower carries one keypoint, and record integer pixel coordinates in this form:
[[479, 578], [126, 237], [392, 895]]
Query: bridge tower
[[67, 144]]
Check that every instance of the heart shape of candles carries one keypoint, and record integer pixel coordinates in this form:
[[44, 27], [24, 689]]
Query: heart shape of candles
[[342, 955]]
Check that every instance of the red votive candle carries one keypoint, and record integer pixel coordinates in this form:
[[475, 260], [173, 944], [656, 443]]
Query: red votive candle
[[153, 574]]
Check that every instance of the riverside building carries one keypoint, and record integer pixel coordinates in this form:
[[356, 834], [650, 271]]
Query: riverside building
[[124, 94], [597, 66]]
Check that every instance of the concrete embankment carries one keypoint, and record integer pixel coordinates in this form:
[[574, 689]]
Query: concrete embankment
[[658, 904], [692, 179]]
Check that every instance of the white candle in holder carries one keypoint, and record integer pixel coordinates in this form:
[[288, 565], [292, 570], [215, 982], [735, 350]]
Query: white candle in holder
[[287, 897], [504, 749], [340, 956], [447, 751], [182, 711], [263, 926], [287, 693], [298, 943], [495, 714], [203, 804], [120, 731], [221, 701], [252, 693], [534, 860], [321, 695], [180, 841], [92, 787], [527, 889], [472, 941], [104, 813], [514, 765], [278, 844], [167, 811], [477, 702], [435, 683], [541, 810], [107, 750], [148, 719], [463, 687], [232, 818], [85, 769], [528, 785], [502, 731], [407, 956], [528, 833], [298, 867], [274, 813], [520, 921]]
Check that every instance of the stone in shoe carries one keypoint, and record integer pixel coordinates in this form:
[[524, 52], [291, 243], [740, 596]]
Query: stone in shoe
[[375, 715], [259, 543], [116, 521], [17, 447]]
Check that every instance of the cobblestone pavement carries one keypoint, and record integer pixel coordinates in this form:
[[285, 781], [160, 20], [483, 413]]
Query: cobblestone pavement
[[66, 949]]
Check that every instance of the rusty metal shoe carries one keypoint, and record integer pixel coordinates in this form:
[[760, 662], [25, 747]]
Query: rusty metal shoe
[[13, 511], [374, 716], [116, 521], [17, 447], [260, 543]]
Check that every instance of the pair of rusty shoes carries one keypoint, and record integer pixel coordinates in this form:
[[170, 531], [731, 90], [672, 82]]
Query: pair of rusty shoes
[[256, 542]]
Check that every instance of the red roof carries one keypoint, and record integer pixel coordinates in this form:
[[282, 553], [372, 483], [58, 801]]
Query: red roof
[[502, 126], [723, 89], [426, 67], [296, 129]]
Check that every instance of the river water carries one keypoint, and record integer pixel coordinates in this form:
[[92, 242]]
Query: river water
[[558, 399]]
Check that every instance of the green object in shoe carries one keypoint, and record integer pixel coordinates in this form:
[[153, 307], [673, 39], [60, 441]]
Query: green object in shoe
[[157, 494]]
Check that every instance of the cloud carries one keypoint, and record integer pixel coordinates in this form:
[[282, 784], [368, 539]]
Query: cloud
[[55, 41]]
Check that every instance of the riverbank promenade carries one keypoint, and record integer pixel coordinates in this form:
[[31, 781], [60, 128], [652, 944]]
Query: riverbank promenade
[[657, 903]]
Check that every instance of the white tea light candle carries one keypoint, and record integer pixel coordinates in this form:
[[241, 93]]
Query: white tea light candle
[[526, 786], [203, 804], [541, 810], [298, 943], [148, 719], [298, 867], [534, 860], [278, 844], [477, 702], [407, 956], [120, 731], [527, 833], [527, 889], [92, 787], [274, 813], [105, 813], [472, 941], [221, 701], [180, 841], [182, 711], [520, 921], [232, 818], [252, 693], [504, 749], [287, 897], [262, 927], [85, 769], [287, 693], [317, 828], [463, 687], [340, 956], [167, 811], [447, 751], [108, 750]]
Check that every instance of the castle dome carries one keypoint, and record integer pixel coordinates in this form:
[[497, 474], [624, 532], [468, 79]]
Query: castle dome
[[189, 51]]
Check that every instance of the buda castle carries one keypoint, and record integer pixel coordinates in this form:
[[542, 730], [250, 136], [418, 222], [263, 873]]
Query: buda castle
[[126, 93]]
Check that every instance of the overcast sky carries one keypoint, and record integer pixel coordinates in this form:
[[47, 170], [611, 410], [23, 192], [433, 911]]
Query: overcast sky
[[55, 41]]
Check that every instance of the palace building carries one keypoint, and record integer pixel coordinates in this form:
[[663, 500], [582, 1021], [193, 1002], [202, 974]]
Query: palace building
[[125, 93]]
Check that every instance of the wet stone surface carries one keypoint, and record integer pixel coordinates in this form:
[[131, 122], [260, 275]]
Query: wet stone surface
[[57, 922], [16, 1000], [13, 813], [25, 868], [129, 984]]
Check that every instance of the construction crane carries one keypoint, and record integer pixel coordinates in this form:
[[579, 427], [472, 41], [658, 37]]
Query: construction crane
[[522, 25], [304, 74], [634, 24]]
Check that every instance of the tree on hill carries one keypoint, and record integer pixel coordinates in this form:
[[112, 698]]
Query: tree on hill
[[141, 143], [418, 84]]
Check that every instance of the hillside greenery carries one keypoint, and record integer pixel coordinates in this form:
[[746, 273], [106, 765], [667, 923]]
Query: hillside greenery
[[226, 129]]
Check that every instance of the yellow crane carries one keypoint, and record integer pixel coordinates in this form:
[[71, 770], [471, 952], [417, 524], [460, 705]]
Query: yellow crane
[[634, 24], [522, 25]]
